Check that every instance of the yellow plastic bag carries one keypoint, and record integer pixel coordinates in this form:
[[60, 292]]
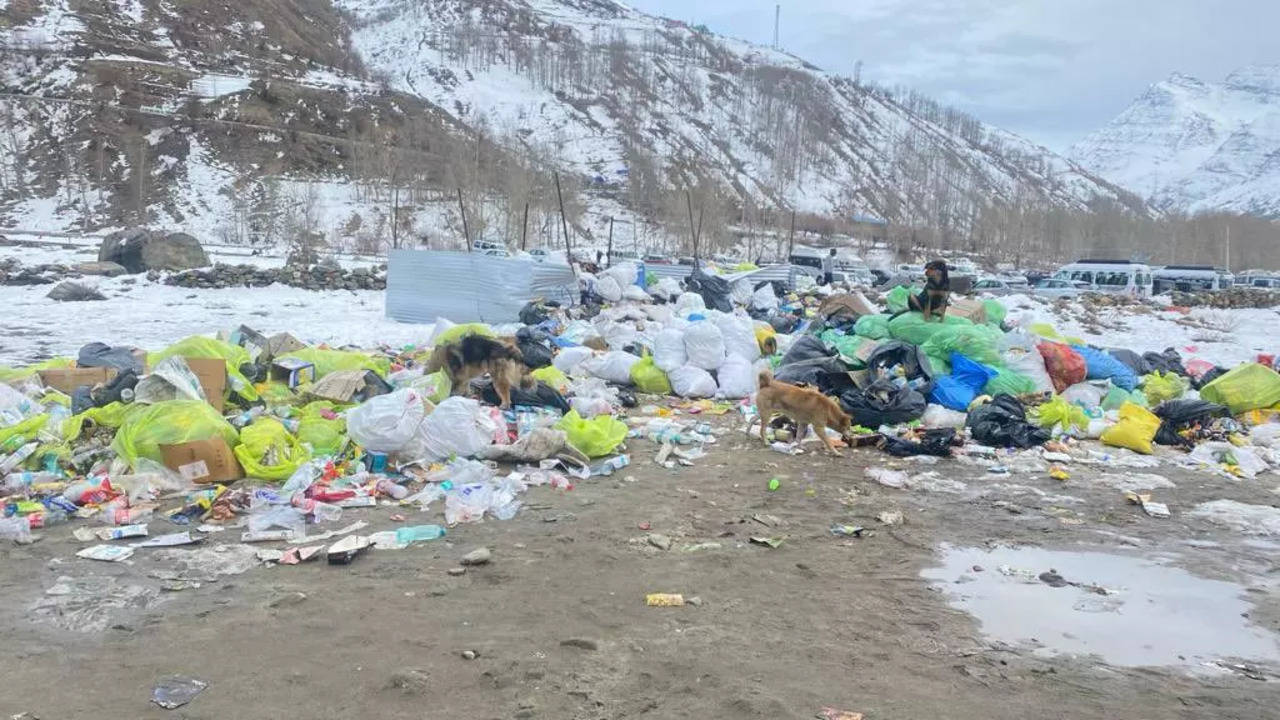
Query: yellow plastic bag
[[111, 415], [12, 374], [649, 378], [457, 332], [1061, 413], [26, 430], [331, 361], [275, 393], [1048, 332], [1248, 387], [207, 347], [266, 439], [595, 437], [147, 427], [553, 377], [1136, 429], [1159, 387], [325, 436]]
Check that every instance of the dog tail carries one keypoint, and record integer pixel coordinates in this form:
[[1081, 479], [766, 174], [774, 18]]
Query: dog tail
[[764, 378]]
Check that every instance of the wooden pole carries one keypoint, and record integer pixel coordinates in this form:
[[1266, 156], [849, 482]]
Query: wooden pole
[[466, 232], [791, 236], [524, 227], [564, 226], [697, 236], [608, 258], [693, 230]]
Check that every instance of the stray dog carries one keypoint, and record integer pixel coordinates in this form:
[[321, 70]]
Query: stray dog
[[804, 405], [476, 355], [936, 294]]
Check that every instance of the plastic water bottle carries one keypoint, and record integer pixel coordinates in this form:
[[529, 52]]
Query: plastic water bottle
[[324, 512], [395, 490], [419, 533], [19, 456], [15, 482], [247, 417]]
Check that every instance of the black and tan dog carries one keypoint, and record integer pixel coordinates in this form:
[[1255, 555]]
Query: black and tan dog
[[476, 355], [936, 294]]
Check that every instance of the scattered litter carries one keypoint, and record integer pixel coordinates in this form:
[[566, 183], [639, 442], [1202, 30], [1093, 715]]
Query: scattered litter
[[1242, 517], [887, 477], [664, 600], [175, 691], [106, 553], [890, 518], [773, 542]]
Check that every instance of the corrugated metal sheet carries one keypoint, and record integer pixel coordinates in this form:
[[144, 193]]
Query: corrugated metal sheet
[[423, 285], [772, 273]]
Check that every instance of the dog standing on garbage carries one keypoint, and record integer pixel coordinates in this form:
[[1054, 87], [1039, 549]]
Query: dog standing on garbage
[[476, 355], [804, 405], [936, 294]]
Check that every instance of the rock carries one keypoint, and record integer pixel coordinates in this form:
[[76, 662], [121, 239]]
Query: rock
[[581, 643], [67, 291], [662, 542], [456, 571], [287, 599], [108, 269], [410, 681], [477, 557], [470, 654], [140, 250], [695, 601]]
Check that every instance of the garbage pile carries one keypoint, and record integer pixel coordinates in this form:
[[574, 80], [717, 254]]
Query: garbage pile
[[279, 442]]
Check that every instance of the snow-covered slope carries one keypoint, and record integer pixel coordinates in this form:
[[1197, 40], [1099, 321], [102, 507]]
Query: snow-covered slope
[[137, 111], [1191, 145]]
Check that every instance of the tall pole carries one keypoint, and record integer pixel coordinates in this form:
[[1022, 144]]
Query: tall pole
[[693, 230], [564, 226], [608, 257], [466, 232], [791, 236], [1228, 268], [524, 226], [777, 15]]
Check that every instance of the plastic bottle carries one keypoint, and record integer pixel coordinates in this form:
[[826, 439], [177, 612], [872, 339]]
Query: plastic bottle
[[89, 491], [395, 490], [324, 512], [419, 533], [19, 456], [247, 417], [15, 482], [126, 395]]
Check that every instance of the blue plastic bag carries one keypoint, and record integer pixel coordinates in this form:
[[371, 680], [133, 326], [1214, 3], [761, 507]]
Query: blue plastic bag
[[957, 390], [1103, 366]]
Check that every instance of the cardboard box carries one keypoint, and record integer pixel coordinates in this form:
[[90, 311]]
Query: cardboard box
[[967, 308], [203, 461], [68, 379], [212, 374], [293, 371]]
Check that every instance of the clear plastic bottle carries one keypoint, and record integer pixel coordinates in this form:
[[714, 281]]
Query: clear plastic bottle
[[396, 491], [16, 482], [324, 512], [419, 533], [18, 457]]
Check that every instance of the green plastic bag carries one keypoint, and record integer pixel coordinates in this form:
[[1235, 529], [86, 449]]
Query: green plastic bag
[[1160, 386], [1118, 396], [325, 436], [147, 427], [875, 327], [912, 328], [979, 343], [1009, 382], [1047, 331], [995, 311], [12, 374], [650, 279], [111, 415], [1061, 413], [26, 429], [553, 377], [595, 437], [648, 378], [1248, 387], [847, 345], [457, 332], [266, 439], [207, 347], [897, 299], [331, 361], [275, 393]]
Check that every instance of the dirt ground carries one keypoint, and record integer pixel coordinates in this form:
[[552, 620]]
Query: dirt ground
[[560, 629]]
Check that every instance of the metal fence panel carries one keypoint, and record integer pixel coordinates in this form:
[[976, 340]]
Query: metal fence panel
[[423, 285]]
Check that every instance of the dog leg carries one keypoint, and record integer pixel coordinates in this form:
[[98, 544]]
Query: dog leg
[[822, 433], [503, 388], [765, 417]]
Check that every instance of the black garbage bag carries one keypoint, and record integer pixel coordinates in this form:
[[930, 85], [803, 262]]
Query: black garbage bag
[[1177, 415], [1167, 361], [1003, 423], [784, 323], [1131, 359], [535, 347], [97, 354], [807, 347], [828, 374], [714, 290], [895, 352], [534, 313], [882, 403], [936, 441], [542, 395], [1208, 377]]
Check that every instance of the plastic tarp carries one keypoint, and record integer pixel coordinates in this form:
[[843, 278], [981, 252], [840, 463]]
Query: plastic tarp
[[470, 287], [1247, 387]]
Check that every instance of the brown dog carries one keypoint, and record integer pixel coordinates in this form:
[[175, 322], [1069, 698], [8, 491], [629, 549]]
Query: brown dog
[[804, 405], [476, 355]]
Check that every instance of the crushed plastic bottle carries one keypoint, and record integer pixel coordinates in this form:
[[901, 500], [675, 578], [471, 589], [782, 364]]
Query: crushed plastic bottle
[[419, 533], [21, 481], [18, 457], [392, 489]]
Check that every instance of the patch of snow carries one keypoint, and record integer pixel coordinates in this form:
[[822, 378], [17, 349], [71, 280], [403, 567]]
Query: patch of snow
[[1242, 517]]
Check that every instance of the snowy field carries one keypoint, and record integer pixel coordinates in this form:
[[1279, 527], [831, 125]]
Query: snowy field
[[152, 315]]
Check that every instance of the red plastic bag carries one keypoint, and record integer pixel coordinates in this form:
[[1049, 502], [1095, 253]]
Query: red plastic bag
[[1066, 366]]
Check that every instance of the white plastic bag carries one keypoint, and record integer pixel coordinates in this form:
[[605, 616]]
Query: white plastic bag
[[613, 366], [668, 349], [690, 303], [737, 377], [571, 357], [624, 273], [764, 298], [617, 334], [667, 288], [704, 344], [636, 293], [609, 289], [1266, 435], [692, 382], [386, 423], [740, 292], [579, 331], [1021, 356], [937, 416], [1085, 394], [592, 397], [1213, 454], [458, 426], [739, 335]]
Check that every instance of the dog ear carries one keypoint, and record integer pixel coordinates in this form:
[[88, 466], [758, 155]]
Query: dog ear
[[453, 357]]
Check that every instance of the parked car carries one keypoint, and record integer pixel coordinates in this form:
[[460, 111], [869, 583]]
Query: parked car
[[1056, 288], [685, 261], [1001, 286], [656, 259], [539, 254]]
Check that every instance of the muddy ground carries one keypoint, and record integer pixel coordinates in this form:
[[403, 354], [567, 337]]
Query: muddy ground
[[560, 629]]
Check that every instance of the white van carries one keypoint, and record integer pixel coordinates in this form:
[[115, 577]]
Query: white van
[[1190, 278], [1116, 277]]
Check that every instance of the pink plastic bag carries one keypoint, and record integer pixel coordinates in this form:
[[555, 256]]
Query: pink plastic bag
[[1197, 367]]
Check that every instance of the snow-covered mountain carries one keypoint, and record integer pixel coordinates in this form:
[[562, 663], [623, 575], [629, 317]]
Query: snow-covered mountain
[[1195, 146], [196, 115]]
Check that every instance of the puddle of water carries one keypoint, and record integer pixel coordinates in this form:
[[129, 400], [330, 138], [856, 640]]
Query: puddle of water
[[1150, 614]]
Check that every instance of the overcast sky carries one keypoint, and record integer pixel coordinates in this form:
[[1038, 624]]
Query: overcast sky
[[1052, 70]]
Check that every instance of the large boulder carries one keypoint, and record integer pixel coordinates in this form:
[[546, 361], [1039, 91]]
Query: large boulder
[[139, 250], [67, 291]]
